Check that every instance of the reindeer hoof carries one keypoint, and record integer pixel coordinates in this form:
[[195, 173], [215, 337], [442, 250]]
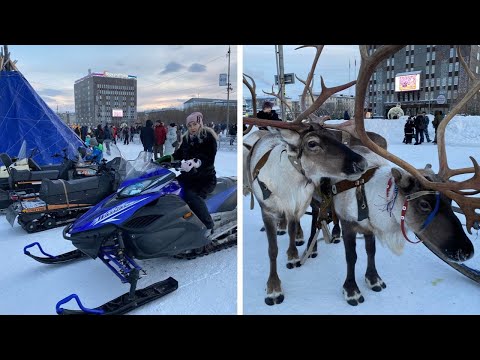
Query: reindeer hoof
[[313, 255], [281, 232], [376, 286], [299, 243], [336, 240], [274, 298], [355, 298], [293, 263]]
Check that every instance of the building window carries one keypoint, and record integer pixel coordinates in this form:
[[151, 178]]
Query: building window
[[428, 56], [456, 66], [393, 61], [426, 95], [407, 60], [449, 95], [452, 52], [408, 48], [444, 82], [427, 70], [388, 62], [455, 94], [412, 47], [433, 69], [433, 55], [455, 80], [438, 82], [450, 67], [449, 81]]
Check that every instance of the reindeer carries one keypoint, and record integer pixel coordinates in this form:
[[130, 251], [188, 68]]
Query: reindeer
[[407, 204], [414, 198], [304, 152]]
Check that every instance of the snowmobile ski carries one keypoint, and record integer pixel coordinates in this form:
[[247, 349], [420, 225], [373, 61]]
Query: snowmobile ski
[[51, 259], [124, 303]]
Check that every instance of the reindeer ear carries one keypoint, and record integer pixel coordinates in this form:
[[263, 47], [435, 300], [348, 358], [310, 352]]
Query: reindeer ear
[[403, 180], [291, 137]]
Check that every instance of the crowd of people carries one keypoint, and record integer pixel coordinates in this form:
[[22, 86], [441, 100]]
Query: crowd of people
[[417, 126]]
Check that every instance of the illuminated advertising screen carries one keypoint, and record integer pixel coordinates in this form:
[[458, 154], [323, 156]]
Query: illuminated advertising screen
[[117, 113], [407, 82]]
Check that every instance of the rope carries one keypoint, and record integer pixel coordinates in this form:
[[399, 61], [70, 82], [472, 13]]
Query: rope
[[66, 193]]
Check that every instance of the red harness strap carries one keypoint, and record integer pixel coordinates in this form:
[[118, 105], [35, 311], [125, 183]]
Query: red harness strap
[[402, 222]]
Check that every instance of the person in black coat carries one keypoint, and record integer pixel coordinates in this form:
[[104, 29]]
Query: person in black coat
[[267, 113], [198, 177], [147, 136], [409, 130]]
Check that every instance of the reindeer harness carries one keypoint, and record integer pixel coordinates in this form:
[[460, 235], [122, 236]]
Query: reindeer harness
[[410, 197], [359, 184]]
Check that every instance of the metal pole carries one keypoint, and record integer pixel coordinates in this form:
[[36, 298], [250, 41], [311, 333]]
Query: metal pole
[[278, 68], [281, 81], [228, 92]]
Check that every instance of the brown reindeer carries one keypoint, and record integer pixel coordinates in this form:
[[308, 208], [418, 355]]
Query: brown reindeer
[[285, 167], [415, 198]]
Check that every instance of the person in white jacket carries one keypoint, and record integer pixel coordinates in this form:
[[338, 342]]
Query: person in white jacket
[[171, 139]]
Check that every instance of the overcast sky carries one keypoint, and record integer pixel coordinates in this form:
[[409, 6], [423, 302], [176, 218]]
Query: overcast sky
[[333, 65], [167, 75]]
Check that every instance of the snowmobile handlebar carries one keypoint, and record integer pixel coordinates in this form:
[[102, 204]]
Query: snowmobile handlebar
[[172, 165]]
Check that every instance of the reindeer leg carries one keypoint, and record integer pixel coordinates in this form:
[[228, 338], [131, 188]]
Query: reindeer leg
[[292, 252], [351, 292], [336, 227], [372, 279], [299, 240], [274, 288], [313, 229], [282, 226]]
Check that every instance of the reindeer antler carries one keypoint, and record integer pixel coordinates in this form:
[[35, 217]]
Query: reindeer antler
[[326, 92], [454, 190], [252, 89], [277, 95]]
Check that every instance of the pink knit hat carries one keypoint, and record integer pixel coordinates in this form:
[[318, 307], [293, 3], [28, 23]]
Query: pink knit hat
[[195, 117]]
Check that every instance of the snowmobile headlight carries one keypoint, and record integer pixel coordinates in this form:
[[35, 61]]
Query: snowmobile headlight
[[135, 189]]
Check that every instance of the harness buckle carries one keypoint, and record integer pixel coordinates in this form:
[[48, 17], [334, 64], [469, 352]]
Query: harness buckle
[[334, 189]]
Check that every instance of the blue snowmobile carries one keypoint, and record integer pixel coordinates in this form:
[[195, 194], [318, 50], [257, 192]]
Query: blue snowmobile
[[146, 218]]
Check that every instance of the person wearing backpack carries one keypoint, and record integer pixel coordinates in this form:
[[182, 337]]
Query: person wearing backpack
[[419, 127]]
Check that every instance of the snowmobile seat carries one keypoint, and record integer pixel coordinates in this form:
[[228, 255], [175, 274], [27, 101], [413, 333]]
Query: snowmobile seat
[[33, 165], [6, 159], [88, 190], [27, 175], [223, 183], [55, 187]]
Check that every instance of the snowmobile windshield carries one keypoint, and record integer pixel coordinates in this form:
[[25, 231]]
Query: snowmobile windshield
[[142, 174]]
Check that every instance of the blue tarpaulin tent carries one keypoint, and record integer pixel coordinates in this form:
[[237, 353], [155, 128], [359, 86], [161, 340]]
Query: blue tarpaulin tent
[[25, 116]]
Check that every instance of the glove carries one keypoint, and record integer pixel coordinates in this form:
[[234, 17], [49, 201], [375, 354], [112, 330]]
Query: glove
[[165, 158], [187, 165], [196, 163]]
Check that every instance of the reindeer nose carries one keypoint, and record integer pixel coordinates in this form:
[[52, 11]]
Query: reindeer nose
[[461, 255], [360, 166]]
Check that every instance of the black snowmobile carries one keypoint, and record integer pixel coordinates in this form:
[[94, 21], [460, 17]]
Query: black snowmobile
[[25, 176], [61, 201], [146, 218]]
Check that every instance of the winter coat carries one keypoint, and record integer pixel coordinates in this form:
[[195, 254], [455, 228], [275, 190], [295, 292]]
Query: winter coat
[[99, 134], [419, 122], [160, 135], [438, 119], [171, 138], [268, 116], [107, 133], [272, 115], [147, 136], [346, 116], [203, 147], [409, 126]]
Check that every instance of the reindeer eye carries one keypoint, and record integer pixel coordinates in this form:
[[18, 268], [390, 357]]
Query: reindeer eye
[[311, 144], [425, 206]]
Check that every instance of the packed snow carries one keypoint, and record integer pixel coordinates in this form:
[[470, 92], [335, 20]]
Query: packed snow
[[206, 285], [417, 281]]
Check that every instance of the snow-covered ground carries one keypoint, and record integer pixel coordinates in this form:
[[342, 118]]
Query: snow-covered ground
[[417, 281], [206, 285]]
